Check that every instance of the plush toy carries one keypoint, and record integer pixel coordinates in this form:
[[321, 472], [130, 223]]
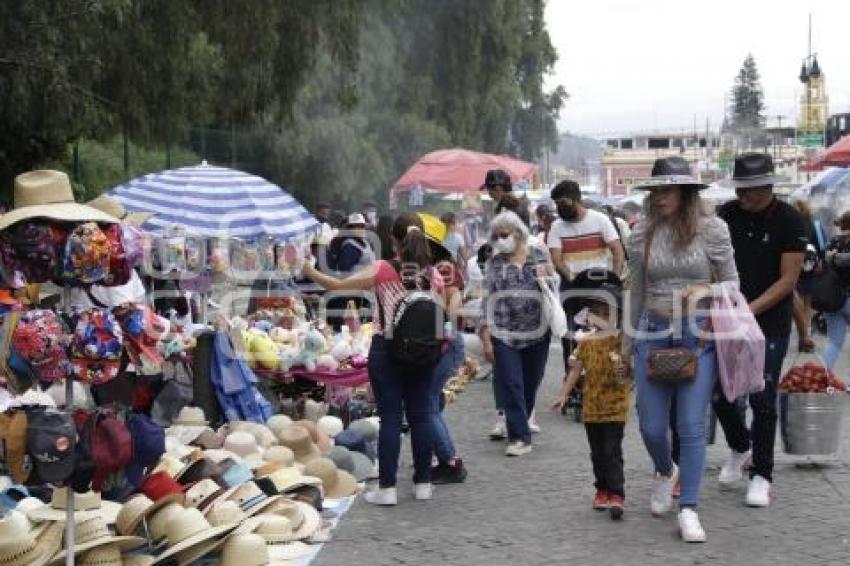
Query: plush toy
[[313, 346], [282, 336], [263, 325], [264, 352], [327, 361], [288, 358], [341, 349]]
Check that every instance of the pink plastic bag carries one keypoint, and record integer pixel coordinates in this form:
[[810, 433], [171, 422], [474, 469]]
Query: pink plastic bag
[[739, 342]]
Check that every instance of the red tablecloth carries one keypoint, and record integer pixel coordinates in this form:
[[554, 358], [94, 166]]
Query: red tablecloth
[[341, 377]]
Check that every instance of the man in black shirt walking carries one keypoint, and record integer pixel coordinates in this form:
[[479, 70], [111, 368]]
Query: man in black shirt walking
[[769, 237]]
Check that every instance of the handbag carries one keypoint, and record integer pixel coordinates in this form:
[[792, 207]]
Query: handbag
[[667, 365], [553, 311], [828, 294]]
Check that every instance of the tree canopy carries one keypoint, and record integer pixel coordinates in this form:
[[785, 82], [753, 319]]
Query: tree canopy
[[332, 98], [747, 111]]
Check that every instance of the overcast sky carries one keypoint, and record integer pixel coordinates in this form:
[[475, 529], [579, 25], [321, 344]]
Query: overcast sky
[[655, 64]]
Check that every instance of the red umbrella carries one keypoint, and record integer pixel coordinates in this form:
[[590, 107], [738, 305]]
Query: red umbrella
[[837, 154], [460, 170]]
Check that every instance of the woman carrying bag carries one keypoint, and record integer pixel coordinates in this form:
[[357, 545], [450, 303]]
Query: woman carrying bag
[[674, 254]]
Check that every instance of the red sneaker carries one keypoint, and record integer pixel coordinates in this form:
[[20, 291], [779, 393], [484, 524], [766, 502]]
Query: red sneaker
[[615, 506], [677, 490], [601, 500]]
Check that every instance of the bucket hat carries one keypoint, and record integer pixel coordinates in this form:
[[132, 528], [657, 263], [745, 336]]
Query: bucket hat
[[353, 440], [92, 533], [298, 440], [48, 194], [87, 505], [319, 438], [667, 171], [336, 483], [330, 425], [355, 463], [276, 423], [187, 529], [753, 170], [114, 208], [281, 455]]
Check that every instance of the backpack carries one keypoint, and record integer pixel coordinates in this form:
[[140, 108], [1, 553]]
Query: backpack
[[96, 346], [87, 255], [416, 333], [32, 249]]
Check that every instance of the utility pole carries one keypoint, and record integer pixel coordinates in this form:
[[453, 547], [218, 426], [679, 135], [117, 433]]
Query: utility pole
[[779, 118]]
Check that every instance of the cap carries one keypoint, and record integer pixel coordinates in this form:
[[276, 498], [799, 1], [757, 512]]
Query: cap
[[111, 448], [148, 446], [51, 440], [497, 177]]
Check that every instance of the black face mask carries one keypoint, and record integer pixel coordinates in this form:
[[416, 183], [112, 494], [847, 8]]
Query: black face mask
[[568, 212]]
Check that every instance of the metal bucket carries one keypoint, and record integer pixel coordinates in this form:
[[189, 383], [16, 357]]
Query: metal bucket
[[811, 422]]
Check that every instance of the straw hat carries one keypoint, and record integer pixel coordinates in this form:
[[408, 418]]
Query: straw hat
[[355, 463], [284, 480], [280, 455], [303, 518], [187, 529], [86, 506], [319, 438], [298, 440], [250, 498], [278, 534], [202, 494], [48, 194], [132, 514], [244, 445], [276, 423], [159, 519], [247, 550], [92, 533], [18, 544], [189, 424], [113, 207], [264, 436], [336, 483], [110, 555]]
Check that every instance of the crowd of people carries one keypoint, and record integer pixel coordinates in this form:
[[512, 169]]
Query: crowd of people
[[635, 284]]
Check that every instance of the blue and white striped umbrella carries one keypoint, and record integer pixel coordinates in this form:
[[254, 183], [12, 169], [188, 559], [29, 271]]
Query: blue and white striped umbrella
[[215, 201]]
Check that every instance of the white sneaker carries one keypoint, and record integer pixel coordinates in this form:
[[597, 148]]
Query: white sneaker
[[381, 496], [661, 500], [518, 448], [732, 471], [758, 494], [690, 527], [500, 429], [532, 424], [423, 491]]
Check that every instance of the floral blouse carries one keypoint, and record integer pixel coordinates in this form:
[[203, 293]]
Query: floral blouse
[[514, 318]]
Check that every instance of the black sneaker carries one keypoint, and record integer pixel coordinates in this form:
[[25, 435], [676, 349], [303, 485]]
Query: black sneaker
[[445, 473]]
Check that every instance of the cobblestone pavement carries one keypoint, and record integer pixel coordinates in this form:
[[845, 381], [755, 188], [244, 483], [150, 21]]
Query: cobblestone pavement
[[536, 509]]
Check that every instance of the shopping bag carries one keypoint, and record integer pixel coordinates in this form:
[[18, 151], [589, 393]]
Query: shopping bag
[[739, 344], [553, 311]]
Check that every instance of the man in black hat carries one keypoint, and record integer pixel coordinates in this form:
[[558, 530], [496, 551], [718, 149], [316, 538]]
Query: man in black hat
[[499, 187], [769, 238]]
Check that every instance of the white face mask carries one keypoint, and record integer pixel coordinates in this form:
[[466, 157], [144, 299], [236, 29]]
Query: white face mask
[[505, 245]]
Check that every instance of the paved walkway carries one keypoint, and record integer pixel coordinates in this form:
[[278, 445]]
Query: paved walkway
[[536, 509]]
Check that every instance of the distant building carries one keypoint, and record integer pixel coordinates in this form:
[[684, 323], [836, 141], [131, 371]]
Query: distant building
[[814, 101], [837, 126], [628, 159]]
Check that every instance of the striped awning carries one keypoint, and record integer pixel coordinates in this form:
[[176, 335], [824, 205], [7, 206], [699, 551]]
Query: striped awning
[[216, 201]]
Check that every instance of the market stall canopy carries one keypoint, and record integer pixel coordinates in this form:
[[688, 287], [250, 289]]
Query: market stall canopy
[[837, 154], [214, 201], [460, 170], [824, 182]]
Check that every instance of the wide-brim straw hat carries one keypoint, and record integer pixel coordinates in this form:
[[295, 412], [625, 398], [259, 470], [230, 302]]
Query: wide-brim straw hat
[[304, 518], [277, 532], [318, 437], [249, 548], [188, 529], [87, 505], [92, 533], [19, 543], [336, 483], [110, 555], [113, 207], [48, 194], [297, 439]]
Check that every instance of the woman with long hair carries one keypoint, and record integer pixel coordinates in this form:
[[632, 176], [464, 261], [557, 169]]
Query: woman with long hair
[[675, 252], [397, 387]]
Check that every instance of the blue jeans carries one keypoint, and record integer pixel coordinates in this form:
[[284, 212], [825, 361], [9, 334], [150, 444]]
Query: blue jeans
[[692, 399], [453, 358], [517, 374], [762, 437], [836, 331], [396, 389]]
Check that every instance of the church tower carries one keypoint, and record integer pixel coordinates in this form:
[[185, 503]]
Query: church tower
[[813, 101]]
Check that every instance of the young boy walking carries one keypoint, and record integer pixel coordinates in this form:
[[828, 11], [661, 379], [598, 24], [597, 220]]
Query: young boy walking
[[605, 397]]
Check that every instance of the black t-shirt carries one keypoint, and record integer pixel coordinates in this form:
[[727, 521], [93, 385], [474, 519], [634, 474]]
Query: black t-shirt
[[759, 240]]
